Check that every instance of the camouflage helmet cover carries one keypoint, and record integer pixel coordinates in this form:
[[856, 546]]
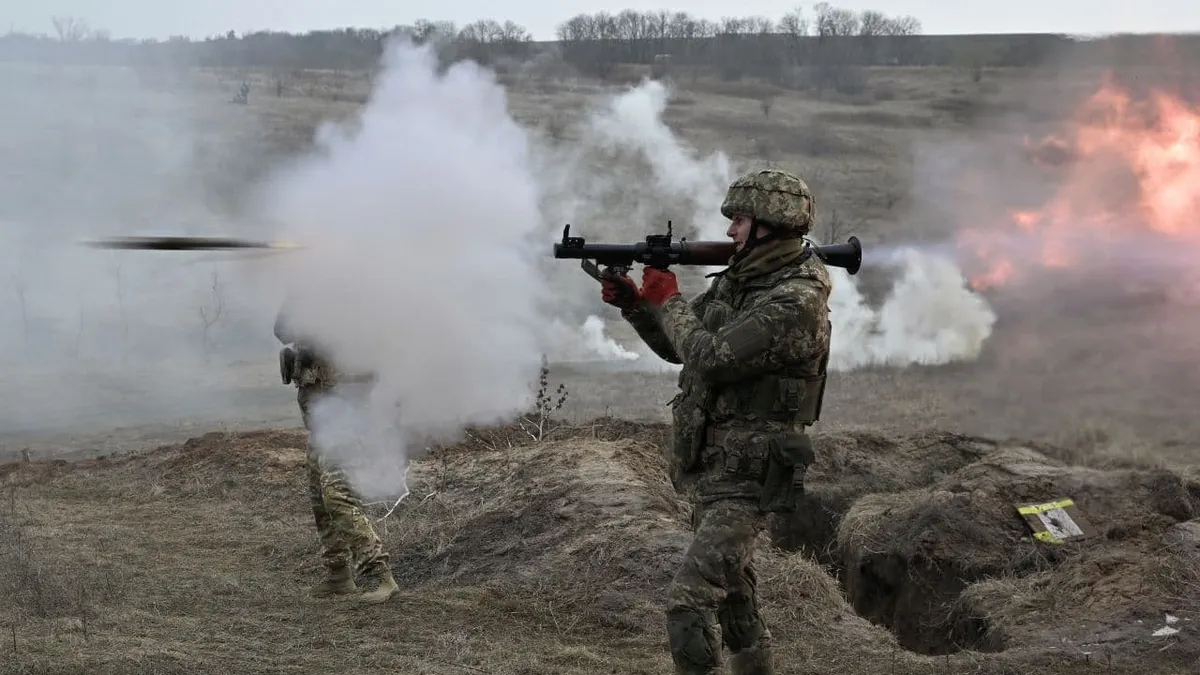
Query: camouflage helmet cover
[[774, 197]]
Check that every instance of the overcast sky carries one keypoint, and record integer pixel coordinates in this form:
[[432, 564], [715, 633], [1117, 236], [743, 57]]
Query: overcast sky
[[200, 18]]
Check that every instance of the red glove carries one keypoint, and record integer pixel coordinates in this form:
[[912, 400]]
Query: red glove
[[620, 292], [658, 286]]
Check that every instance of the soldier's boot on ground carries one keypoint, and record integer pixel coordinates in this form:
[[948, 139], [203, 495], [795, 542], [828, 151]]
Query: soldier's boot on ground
[[339, 582], [755, 660], [386, 589]]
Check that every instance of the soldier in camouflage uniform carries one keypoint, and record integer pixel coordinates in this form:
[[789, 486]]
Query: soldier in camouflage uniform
[[754, 349], [350, 545]]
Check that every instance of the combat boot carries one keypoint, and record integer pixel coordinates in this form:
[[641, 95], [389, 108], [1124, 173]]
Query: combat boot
[[339, 582], [386, 589]]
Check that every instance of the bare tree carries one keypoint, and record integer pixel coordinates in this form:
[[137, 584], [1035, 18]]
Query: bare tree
[[115, 270], [835, 21], [796, 26], [20, 285], [595, 44], [70, 29], [210, 316]]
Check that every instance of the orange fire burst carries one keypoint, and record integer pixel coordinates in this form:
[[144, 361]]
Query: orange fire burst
[[1130, 166]]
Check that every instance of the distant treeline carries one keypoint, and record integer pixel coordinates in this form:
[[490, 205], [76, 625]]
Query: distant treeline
[[595, 44]]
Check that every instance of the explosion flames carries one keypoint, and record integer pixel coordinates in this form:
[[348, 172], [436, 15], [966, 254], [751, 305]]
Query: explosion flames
[[1128, 169]]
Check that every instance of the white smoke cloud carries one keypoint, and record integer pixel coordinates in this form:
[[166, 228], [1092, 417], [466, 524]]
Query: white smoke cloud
[[588, 342], [430, 227], [929, 317], [620, 175], [428, 231], [624, 173], [628, 171], [423, 268], [633, 121]]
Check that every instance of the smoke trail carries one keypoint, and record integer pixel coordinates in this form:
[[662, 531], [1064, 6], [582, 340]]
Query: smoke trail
[[90, 153]]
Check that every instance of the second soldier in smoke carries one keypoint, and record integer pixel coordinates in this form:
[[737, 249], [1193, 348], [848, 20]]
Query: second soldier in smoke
[[349, 542]]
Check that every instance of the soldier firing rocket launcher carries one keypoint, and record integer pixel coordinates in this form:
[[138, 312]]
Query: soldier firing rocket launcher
[[661, 251]]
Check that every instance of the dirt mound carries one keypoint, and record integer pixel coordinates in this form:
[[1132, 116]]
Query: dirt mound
[[586, 528], [591, 532], [516, 555], [894, 533], [851, 465], [199, 459], [953, 565], [924, 535], [513, 556]]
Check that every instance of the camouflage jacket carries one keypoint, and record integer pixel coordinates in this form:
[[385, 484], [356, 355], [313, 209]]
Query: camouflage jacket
[[754, 348]]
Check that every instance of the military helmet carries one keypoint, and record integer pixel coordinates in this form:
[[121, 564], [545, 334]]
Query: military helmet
[[773, 197]]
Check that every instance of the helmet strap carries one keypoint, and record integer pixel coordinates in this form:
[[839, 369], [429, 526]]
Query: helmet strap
[[753, 240]]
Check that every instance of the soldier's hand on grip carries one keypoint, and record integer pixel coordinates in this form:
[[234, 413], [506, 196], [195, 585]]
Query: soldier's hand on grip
[[658, 285], [620, 292]]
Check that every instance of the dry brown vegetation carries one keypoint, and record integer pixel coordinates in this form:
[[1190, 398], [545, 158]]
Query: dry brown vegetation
[[536, 557], [550, 557]]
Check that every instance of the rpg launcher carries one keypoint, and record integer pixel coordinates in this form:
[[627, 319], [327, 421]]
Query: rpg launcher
[[661, 251]]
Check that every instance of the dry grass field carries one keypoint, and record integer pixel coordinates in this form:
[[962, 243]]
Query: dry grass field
[[177, 538]]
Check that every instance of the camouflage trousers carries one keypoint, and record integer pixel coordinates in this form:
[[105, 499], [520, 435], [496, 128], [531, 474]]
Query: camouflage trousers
[[347, 537], [713, 598]]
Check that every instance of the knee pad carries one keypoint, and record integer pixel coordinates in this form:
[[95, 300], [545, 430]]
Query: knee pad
[[742, 624], [695, 646]]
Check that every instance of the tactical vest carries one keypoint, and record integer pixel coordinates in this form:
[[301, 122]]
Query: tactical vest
[[790, 397], [734, 421]]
